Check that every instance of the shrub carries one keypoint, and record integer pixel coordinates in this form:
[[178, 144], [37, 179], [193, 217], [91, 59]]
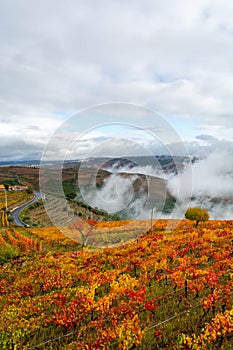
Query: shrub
[[8, 253]]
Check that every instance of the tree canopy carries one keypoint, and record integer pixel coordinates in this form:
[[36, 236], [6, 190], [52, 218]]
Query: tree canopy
[[197, 214]]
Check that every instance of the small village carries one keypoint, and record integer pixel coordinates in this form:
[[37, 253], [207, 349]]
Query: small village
[[13, 188]]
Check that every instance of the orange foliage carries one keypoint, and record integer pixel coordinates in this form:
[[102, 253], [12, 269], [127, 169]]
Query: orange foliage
[[112, 297]]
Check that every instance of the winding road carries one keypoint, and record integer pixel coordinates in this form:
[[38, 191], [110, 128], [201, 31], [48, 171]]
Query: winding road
[[16, 212]]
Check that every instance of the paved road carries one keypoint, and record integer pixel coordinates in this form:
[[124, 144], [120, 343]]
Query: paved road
[[16, 213]]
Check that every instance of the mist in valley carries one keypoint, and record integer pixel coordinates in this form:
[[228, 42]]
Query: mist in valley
[[207, 183], [212, 183]]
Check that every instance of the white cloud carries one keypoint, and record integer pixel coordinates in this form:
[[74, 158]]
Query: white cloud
[[175, 57]]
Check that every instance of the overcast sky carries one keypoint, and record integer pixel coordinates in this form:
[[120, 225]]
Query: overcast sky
[[59, 57]]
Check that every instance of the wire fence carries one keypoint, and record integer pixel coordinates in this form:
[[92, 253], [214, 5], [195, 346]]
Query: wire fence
[[155, 285], [147, 330], [53, 340], [169, 319], [174, 316]]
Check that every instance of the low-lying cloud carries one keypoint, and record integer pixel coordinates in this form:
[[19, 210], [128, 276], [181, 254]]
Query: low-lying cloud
[[210, 179], [212, 183]]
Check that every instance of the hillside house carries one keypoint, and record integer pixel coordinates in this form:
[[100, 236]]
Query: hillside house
[[18, 188], [2, 188]]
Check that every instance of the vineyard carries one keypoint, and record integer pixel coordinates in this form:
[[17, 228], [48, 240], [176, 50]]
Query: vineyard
[[13, 198], [168, 289]]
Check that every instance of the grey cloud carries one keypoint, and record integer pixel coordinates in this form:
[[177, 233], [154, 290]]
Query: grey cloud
[[14, 148], [175, 57], [207, 138], [205, 145]]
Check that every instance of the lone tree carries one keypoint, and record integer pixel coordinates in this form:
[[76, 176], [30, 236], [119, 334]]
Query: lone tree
[[197, 214], [85, 228]]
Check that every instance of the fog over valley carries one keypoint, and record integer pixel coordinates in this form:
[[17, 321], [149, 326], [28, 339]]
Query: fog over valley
[[206, 182]]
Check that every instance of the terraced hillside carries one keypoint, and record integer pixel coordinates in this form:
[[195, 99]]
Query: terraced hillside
[[169, 289]]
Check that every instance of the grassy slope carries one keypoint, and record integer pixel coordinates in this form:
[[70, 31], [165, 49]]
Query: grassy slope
[[30, 176], [24, 175], [35, 215]]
